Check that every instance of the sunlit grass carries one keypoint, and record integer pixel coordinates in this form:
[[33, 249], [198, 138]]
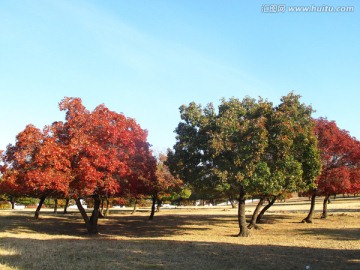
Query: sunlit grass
[[6, 267], [7, 252], [183, 239]]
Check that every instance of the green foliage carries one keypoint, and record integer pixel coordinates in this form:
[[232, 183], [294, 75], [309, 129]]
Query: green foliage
[[51, 202], [3, 197], [185, 193], [247, 145], [27, 201]]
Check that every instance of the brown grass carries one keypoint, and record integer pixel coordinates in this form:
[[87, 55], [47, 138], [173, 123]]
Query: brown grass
[[185, 238]]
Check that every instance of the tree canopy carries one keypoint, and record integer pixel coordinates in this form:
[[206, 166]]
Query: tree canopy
[[98, 153], [250, 145], [340, 156], [244, 148]]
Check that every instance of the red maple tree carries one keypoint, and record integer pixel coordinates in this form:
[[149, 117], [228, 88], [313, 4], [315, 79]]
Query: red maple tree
[[340, 155], [108, 153], [98, 154], [36, 166], [163, 185]]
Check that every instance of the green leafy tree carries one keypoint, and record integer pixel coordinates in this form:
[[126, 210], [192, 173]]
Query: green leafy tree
[[226, 147], [248, 146], [292, 153]]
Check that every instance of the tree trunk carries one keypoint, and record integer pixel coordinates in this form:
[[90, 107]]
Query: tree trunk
[[102, 208], [66, 205], [55, 206], [135, 207], [12, 201], [37, 212], [82, 211], [151, 217], [95, 215], [256, 214], [325, 203], [244, 231], [233, 205], [262, 212], [107, 211], [92, 223], [159, 203], [308, 219]]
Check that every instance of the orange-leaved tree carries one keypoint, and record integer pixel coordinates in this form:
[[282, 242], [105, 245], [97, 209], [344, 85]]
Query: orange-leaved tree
[[91, 154], [37, 166], [165, 184], [108, 154]]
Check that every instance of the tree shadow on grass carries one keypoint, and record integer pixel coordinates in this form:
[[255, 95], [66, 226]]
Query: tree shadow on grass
[[49, 223], [106, 253], [164, 225], [272, 219], [117, 225], [343, 210], [348, 234], [124, 224]]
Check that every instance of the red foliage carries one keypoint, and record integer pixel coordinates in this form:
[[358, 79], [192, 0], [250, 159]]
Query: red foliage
[[36, 165], [340, 154], [108, 152], [99, 152], [355, 180], [165, 182]]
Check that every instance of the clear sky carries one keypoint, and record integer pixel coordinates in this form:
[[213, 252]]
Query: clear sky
[[146, 58]]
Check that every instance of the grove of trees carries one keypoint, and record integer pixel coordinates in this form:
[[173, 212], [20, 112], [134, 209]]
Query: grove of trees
[[98, 154], [243, 149]]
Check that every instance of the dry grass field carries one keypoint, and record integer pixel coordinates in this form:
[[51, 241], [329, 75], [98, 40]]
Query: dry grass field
[[184, 238]]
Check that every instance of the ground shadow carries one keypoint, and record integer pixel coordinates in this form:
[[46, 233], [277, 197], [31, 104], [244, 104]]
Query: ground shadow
[[342, 210], [69, 224], [164, 225], [120, 225], [272, 219], [347, 234], [106, 253]]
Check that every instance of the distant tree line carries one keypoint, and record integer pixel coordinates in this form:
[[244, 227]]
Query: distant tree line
[[99, 155]]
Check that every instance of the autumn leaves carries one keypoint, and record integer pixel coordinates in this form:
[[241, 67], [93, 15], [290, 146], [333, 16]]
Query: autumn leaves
[[246, 148], [100, 154]]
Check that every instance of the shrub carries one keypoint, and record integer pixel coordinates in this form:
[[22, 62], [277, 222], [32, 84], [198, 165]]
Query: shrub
[[5, 205]]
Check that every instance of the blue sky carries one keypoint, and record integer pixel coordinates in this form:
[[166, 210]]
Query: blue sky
[[147, 58]]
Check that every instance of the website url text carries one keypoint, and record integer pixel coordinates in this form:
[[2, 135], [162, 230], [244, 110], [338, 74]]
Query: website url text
[[280, 8]]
